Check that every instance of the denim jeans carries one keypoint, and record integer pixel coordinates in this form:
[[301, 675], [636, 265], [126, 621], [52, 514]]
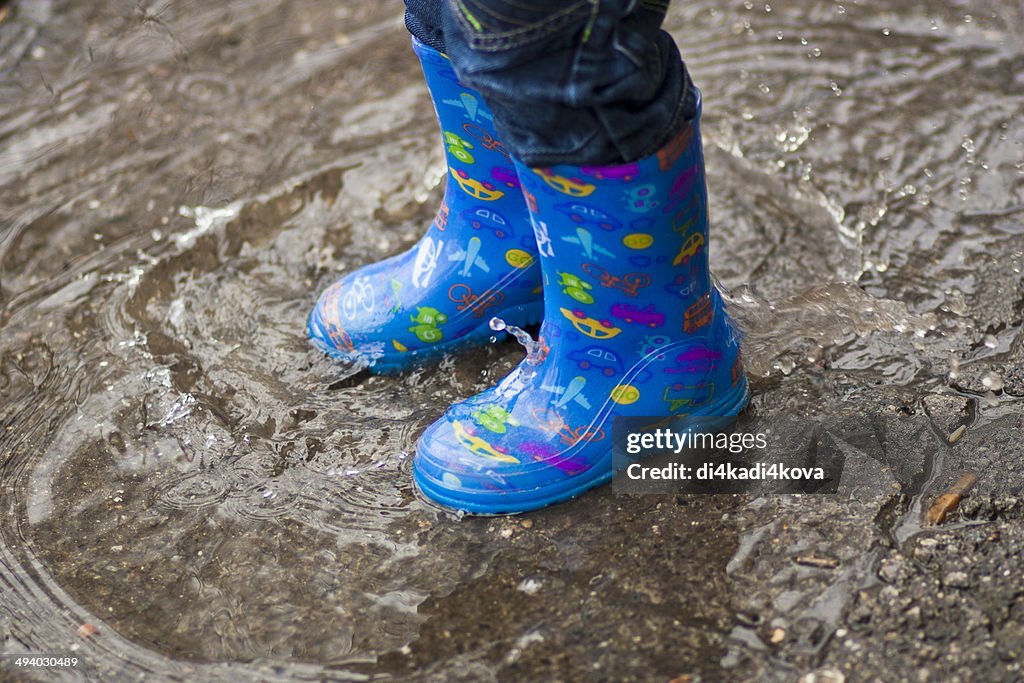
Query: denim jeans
[[591, 82]]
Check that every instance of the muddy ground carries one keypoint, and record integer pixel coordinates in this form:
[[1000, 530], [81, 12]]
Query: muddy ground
[[181, 473]]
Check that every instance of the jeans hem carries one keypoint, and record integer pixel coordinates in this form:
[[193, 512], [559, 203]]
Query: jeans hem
[[676, 123], [543, 158]]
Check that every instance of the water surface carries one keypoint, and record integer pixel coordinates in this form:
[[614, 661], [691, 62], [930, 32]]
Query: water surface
[[181, 471]]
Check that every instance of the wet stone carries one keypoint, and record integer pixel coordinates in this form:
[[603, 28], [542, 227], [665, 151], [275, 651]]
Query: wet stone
[[956, 580]]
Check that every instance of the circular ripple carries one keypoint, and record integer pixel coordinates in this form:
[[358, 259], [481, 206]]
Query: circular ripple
[[207, 86], [192, 490], [271, 499], [368, 501]]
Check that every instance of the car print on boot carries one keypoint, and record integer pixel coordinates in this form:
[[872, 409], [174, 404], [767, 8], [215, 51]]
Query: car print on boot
[[695, 360], [495, 418], [589, 216], [592, 327], [476, 189], [629, 313], [574, 187], [599, 358], [506, 177], [479, 217], [576, 287], [625, 172]]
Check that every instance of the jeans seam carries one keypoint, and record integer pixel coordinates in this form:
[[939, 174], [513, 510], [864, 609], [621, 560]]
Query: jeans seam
[[494, 14], [503, 40], [623, 50]]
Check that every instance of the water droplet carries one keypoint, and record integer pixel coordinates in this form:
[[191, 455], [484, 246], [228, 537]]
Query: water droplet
[[992, 381], [533, 347], [785, 365]]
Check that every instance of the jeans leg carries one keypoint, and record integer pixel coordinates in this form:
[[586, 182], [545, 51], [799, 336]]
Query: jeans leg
[[572, 81], [424, 19]]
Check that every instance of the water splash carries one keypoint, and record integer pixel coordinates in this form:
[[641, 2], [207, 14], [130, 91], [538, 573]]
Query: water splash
[[534, 348], [205, 218], [837, 316], [180, 409]]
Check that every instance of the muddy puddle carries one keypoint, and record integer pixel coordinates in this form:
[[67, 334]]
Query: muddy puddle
[[217, 501]]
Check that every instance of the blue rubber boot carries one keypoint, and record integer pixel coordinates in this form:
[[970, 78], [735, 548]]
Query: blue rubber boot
[[632, 327], [478, 259]]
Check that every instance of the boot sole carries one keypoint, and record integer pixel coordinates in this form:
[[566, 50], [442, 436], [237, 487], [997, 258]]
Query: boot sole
[[498, 503], [522, 315]]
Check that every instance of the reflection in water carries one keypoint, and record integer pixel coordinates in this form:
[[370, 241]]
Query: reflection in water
[[180, 470]]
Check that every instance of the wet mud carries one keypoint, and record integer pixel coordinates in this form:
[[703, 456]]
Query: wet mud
[[190, 492]]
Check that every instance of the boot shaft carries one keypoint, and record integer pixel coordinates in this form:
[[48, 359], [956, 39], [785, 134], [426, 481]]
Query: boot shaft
[[478, 163], [624, 248]]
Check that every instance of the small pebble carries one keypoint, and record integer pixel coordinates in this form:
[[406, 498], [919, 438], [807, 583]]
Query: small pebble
[[956, 580], [890, 570], [823, 676], [817, 561], [957, 433]]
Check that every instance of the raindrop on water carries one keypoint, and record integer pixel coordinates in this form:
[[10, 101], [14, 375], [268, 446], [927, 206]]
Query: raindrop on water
[[954, 367], [992, 381]]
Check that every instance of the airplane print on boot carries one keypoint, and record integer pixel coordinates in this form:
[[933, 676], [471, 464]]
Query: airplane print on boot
[[478, 259], [632, 327]]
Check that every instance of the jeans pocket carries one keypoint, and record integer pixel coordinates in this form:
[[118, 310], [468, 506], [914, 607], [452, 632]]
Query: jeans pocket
[[496, 25]]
